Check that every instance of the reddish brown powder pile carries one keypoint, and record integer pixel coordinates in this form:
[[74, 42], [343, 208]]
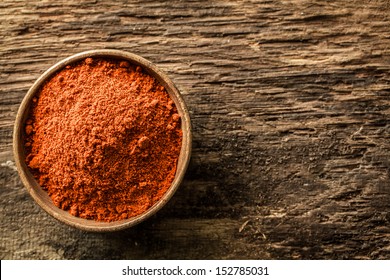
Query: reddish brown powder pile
[[103, 139]]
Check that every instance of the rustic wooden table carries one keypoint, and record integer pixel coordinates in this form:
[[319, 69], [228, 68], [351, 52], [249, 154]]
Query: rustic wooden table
[[290, 105]]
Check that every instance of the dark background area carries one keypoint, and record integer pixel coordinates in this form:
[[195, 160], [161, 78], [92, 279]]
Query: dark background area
[[290, 107]]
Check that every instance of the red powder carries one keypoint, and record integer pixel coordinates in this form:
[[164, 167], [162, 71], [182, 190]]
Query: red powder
[[103, 139]]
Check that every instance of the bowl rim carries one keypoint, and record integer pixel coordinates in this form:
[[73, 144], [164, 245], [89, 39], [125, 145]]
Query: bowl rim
[[42, 198]]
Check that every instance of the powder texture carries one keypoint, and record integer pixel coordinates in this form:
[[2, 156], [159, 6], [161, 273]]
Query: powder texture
[[103, 139]]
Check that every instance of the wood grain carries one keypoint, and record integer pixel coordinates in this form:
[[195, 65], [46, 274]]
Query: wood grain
[[290, 108]]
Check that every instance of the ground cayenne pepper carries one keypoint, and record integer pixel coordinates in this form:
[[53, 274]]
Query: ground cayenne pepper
[[103, 139]]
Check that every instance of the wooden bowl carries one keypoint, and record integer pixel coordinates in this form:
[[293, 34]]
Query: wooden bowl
[[41, 196]]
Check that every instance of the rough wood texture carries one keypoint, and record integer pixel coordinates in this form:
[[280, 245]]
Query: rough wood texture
[[291, 114]]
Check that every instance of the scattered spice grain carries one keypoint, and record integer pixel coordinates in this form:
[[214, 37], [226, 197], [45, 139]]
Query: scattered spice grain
[[103, 139]]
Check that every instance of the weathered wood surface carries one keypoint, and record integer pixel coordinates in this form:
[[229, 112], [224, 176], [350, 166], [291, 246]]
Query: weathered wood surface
[[290, 104]]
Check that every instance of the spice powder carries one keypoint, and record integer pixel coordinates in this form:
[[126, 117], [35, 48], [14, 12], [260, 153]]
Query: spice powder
[[103, 138]]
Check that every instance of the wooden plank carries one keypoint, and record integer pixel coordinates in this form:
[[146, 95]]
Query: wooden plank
[[291, 113]]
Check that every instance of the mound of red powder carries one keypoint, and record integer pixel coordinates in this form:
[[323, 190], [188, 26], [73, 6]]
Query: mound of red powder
[[103, 139]]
